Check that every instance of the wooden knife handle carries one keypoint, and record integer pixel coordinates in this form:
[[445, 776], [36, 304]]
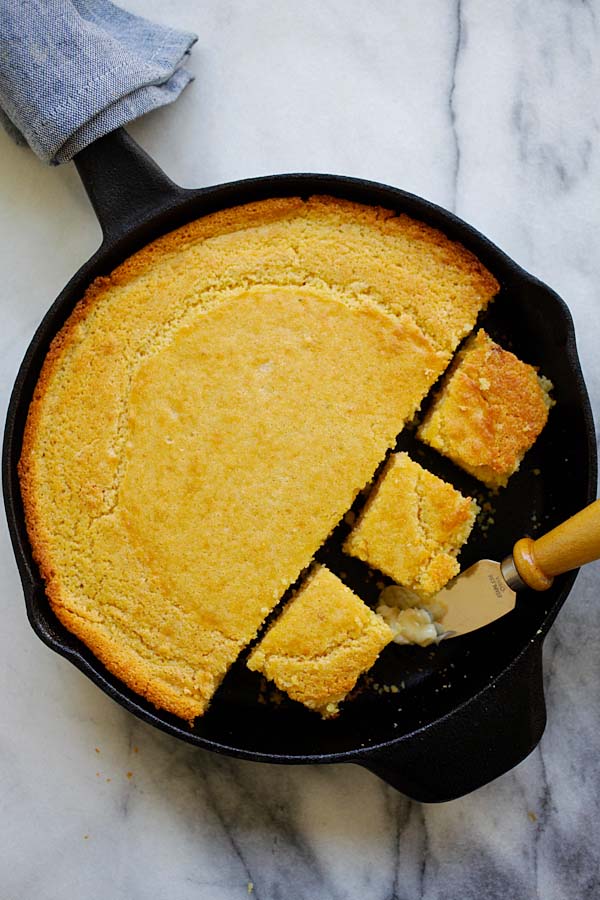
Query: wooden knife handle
[[568, 546]]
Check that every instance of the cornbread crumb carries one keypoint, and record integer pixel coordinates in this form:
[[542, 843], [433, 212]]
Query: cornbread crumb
[[409, 626], [412, 619], [322, 641], [412, 527], [489, 411]]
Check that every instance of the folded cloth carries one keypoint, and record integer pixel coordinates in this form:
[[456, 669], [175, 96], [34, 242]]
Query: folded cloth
[[73, 70]]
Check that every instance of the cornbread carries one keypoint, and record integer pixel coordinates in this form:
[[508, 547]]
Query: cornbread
[[209, 412], [489, 411], [322, 641], [412, 527]]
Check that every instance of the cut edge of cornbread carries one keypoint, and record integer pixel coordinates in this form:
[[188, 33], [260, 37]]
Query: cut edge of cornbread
[[321, 643], [413, 527], [488, 412]]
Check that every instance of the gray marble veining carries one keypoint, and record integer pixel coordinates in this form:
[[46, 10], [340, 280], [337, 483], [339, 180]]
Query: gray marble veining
[[492, 110]]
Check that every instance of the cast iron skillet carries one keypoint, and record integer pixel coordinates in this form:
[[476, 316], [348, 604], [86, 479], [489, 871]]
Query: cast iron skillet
[[458, 715]]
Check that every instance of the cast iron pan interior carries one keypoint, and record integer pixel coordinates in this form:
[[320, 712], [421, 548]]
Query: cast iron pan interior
[[471, 707]]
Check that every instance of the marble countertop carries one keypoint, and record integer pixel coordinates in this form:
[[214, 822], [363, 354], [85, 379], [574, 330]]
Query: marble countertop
[[490, 110]]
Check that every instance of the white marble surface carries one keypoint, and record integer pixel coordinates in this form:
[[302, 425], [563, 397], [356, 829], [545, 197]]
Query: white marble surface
[[491, 109]]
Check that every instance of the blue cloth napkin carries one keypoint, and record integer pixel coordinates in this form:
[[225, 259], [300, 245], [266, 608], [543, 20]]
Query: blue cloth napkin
[[73, 70]]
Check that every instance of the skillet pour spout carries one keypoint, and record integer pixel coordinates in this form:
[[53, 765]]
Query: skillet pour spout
[[462, 713]]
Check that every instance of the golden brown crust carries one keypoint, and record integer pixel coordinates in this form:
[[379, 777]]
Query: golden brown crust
[[489, 411], [324, 639], [440, 283], [74, 461], [413, 527]]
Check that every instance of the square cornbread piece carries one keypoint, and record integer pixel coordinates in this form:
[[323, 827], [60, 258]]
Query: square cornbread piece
[[489, 411], [413, 527], [325, 638]]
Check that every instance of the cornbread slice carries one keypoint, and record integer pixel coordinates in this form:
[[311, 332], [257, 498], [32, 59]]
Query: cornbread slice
[[413, 527], [489, 411], [209, 412], [324, 639]]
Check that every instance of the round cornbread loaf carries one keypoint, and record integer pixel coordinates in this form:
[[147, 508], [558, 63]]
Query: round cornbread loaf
[[210, 411]]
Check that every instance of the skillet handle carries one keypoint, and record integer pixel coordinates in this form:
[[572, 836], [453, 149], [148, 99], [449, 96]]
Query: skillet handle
[[481, 740], [124, 184]]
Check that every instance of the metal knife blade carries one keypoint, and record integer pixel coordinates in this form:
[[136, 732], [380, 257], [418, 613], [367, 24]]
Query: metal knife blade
[[478, 596]]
